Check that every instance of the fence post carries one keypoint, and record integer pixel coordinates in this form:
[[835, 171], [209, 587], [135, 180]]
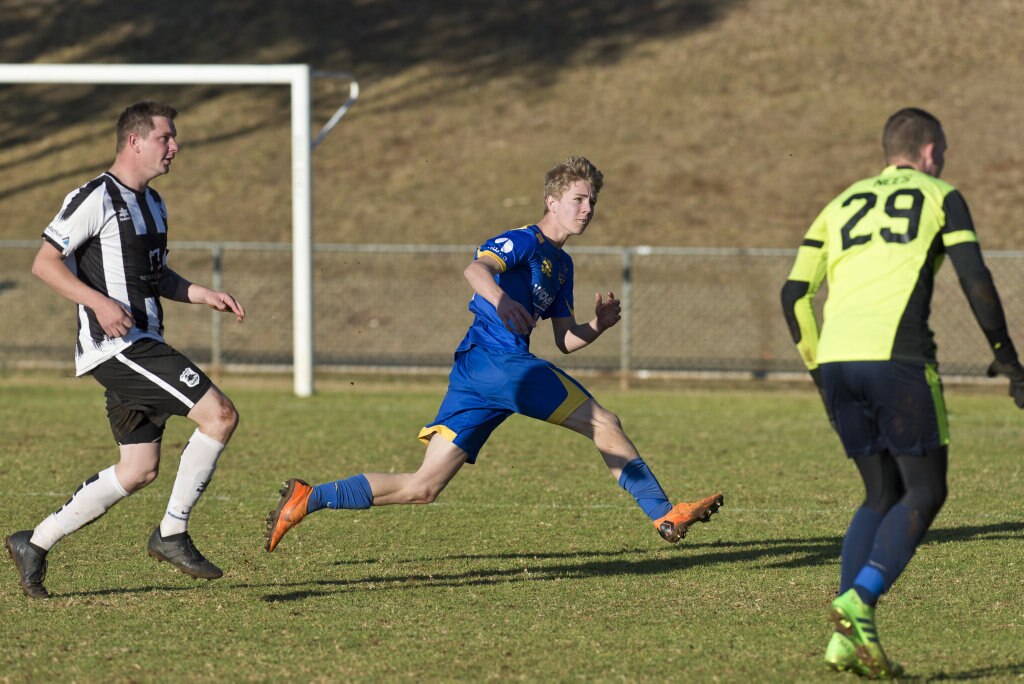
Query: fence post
[[217, 283], [627, 307]]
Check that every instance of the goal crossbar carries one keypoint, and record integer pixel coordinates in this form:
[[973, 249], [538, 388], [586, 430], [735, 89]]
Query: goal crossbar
[[297, 76]]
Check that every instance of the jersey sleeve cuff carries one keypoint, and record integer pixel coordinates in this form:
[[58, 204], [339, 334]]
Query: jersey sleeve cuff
[[492, 255], [56, 245]]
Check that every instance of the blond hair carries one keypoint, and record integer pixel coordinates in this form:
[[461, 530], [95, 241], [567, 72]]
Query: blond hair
[[560, 176]]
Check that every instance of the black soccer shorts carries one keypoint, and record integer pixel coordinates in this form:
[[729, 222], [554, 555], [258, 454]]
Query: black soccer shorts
[[146, 384]]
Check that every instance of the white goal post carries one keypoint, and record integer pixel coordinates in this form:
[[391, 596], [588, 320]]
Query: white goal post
[[297, 76]]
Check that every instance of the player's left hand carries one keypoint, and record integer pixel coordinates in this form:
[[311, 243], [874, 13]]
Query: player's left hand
[[1013, 371], [607, 312], [222, 301]]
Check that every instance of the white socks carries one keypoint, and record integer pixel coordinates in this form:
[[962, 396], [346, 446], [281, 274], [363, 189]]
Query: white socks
[[91, 500], [101, 491], [198, 461]]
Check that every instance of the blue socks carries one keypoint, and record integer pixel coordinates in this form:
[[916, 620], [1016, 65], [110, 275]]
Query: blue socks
[[352, 492], [638, 480], [869, 584]]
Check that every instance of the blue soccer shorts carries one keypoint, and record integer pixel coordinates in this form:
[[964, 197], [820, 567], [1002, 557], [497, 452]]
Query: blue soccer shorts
[[486, 386], [886, 406]]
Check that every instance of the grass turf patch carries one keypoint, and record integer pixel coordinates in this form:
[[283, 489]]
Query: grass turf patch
[[531, 565]]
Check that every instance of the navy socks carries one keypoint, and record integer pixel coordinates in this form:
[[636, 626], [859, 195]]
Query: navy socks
[[896, 541], [857, 543]]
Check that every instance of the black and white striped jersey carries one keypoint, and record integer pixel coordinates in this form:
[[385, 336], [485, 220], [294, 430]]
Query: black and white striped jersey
[[114, 240]]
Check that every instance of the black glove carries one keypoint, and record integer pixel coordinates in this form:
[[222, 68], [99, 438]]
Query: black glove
[[1015, 372]]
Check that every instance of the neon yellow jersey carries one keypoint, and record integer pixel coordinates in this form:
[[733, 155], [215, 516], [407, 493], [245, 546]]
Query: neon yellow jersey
[[879, 243]]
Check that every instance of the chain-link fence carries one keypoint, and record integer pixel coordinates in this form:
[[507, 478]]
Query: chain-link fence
[[404, 306]]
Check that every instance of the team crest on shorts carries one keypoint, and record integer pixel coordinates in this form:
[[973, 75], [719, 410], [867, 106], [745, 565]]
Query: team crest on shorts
[[189, 377]]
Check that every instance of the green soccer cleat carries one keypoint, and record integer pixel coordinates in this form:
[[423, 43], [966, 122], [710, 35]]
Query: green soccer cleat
[[854, 623], [841, 654]]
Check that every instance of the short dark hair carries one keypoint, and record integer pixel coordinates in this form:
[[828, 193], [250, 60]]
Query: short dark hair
[[907, 131], [138, 119]]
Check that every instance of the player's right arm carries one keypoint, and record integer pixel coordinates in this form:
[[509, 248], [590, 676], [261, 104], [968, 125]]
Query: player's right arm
[[480, 273], [798, 293], [81, 218], [49, 266]]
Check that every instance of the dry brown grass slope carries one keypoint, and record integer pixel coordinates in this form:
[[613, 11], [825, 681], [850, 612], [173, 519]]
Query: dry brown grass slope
[[725, 123]]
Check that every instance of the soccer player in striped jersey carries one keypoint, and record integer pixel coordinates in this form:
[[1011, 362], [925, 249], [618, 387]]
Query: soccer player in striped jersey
[[879, 244], [106, 250], [518, 278]]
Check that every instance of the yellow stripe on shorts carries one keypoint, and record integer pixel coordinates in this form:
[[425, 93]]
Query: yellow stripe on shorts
[[931, 374], [431, 430], [575, 398]]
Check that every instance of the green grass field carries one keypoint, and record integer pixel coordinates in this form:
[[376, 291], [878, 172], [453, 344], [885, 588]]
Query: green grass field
[[531, 566]]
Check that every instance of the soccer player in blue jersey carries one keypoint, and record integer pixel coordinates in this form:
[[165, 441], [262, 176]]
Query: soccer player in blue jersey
[[518, 278], [879, 243]]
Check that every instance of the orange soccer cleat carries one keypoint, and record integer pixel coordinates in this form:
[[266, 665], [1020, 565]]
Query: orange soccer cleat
[[673, 526], [291, 509]]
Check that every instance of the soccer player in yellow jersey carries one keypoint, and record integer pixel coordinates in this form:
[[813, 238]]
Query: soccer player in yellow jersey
[[879, 243]]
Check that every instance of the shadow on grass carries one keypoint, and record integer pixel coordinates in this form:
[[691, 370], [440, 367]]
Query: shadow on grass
[[787, 552], [121, 591], [582, 565], [990, 672], [1003, 530]]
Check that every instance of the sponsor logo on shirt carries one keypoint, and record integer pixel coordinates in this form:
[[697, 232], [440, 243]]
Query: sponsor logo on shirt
[[123, 215], [541, 299], [54, 234], [504, 244], [189, 377]]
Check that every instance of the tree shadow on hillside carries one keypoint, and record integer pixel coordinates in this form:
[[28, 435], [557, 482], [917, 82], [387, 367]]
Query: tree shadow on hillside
[[472, 42], [81, 173]]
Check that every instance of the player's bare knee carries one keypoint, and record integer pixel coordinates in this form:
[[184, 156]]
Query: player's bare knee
[[606, 422], [229, 416], [222, 421], [138, 479]]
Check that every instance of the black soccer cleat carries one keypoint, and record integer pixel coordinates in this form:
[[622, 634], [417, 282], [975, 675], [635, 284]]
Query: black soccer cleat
[[179, 551], [31, 563]]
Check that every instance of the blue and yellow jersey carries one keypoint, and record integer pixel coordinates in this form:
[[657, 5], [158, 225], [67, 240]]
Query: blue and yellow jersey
[[534, 273], [879, 244]]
